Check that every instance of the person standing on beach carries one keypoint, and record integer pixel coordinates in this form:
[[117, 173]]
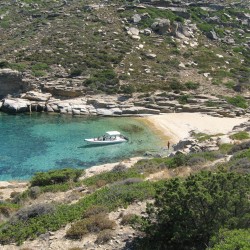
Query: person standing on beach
[[168, 145]]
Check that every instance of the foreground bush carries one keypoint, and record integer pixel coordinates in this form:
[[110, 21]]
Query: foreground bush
[[187, 213], [55, 176]]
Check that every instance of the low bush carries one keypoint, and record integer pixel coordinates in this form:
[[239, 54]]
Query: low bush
[[239, 147], [238, 101], [192, 85], [195, 161], [241, 154], [157, 164], [230, 239], [77, 230], [183, 99], [7, 209], [92, 224], [104, 236], [129, 219], [75, 72], [111, 177], [4, 64], [240, 165], [112, 197], [119, 168], [94, 210], [242, 135], [128, 181], [55, 176], [225, 148], [34, 192], [33, 211]]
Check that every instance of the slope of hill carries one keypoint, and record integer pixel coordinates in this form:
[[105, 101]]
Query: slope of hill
[[126, 47]]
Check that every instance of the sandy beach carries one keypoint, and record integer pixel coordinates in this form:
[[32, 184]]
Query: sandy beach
[[176, 126]]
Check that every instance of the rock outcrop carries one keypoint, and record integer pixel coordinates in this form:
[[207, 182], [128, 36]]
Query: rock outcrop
[[10, 82]]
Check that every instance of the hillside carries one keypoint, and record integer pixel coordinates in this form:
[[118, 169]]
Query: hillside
[[130, 58], [72, 48]]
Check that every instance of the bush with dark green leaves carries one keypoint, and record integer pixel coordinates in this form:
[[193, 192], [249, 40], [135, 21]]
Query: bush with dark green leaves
[[55, 176], [187, 213]]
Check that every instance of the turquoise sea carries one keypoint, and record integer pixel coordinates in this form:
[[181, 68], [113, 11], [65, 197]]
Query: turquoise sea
[[39, 142]]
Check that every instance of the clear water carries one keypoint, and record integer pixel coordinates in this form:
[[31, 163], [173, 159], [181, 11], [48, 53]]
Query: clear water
[[40, 142]]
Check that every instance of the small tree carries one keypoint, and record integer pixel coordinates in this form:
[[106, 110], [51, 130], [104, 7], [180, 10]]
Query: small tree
[[186, 213]]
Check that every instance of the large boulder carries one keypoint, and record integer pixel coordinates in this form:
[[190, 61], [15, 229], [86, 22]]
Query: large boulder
[[10, 82], [37, 96], [161, 26], [15, 105]]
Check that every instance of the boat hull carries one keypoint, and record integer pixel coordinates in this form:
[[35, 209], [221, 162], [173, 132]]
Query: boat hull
[[106, 142]]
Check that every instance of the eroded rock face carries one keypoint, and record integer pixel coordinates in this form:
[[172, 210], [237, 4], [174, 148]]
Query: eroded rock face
[[15, 105], [10, 82]]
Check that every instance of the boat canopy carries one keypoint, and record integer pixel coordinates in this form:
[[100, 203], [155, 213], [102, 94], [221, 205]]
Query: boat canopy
[[113, 133]]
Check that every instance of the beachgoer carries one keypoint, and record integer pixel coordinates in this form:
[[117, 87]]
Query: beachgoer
[[168, 144]]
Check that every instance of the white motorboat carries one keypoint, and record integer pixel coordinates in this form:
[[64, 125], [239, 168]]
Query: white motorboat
[[110, 137]]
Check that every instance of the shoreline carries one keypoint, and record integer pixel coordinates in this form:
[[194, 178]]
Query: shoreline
[[171, 127]]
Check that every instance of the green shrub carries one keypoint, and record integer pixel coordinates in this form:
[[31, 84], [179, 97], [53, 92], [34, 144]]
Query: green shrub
[[4, 64], [242, 154], [183, 99], [111, 177], [112, 198], [242, 135], [241, 165], [39, 66], [18, 66], [129, 219], [187, 213], [230, 240], [38, 73], [7, 209], [176, 85], [105, 80], [127, 89], [238, 101], [192, 85], [205, 27], [75, 72], [55, 176], [157, 164], [225, 148]]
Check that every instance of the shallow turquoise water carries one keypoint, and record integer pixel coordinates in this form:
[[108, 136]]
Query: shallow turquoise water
[[40, 142]]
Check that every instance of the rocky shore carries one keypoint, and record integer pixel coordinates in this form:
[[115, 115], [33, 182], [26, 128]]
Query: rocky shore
[[121, 105]]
